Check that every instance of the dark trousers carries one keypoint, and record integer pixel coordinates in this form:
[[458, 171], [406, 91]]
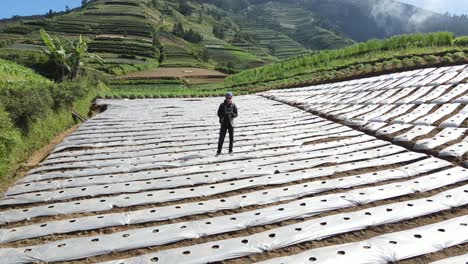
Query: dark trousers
[[222, 135]]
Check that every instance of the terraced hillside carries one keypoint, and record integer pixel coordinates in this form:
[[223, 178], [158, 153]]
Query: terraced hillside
[[136, 35], [317, 176]]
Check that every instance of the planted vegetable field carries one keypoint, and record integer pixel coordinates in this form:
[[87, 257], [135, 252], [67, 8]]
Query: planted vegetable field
[[365, 171]]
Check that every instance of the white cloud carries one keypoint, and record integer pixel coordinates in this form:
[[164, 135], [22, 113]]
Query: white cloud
[[458, 7]]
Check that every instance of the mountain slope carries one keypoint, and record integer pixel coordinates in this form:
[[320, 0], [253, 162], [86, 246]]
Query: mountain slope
[[134, 35]]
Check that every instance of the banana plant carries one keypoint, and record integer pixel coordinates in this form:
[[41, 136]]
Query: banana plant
[[57, 52], [67, 55]]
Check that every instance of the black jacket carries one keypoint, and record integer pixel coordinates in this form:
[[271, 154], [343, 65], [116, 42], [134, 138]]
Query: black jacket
[[229, 111]]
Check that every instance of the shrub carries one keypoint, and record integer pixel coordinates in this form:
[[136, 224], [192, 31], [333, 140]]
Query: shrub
[[432, 59], [407, 62], [65, 93], [417, 60], [459, 56], [448, 59], [26, 102], [461, 41]]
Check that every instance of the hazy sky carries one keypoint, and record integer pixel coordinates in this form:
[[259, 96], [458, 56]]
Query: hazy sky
[[9, 8], [452, 6]]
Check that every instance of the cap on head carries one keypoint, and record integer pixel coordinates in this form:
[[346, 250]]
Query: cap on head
[[228, 94]]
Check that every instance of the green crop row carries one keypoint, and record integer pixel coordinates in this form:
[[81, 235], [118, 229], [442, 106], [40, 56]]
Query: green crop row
[[332, 58], [363, 69]]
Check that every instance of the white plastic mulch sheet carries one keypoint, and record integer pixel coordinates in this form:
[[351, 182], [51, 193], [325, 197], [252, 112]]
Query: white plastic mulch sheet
[[288, 235], [293, 191], [323, 227], [389, 247], [446, 135], [434, 97], [143, 175]]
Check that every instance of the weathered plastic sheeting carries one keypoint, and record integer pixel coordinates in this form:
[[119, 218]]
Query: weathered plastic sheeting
[[146, 175], [364, 110], [457, 119], [367, 96], [383, 109], [165, 143], [184, 135], [132, 126], [431, 79], [357, 99], [460, 77], [197, 178], [285, 124], [401, 80], [313, 107], [462, 99], [383, 249], [95, 205], [446, 135], [427, 71], [415, 81], [269, 166], [383, 96], [177, 129], [456, 150], [434, 93], [141, 216], [459, 90], [403, 93], [418, 93], [339, 147], [446, 69], [375, 250], [164, 151], [415, 132], [442, 111], [397, 111], [284, 236], [445, 78], [463, 259], [392, 128], [348, 109], [115, 161], [374, 126], [161, 156], [417, 113], [128, 168]]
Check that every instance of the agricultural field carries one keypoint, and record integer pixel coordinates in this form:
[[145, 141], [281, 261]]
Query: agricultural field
[[370, 170], [422, 109], [177, 73], [167, 82]]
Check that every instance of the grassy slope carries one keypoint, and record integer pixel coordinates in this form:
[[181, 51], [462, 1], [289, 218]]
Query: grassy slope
[[362, 60], [371, 50], [122, 32], [17, 144]]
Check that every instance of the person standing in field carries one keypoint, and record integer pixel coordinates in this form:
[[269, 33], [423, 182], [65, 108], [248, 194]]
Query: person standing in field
[[227, 111]]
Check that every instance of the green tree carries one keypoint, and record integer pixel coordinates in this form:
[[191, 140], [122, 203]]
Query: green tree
[[184, 8], [218, 31], [57, 54], [66, 55]]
